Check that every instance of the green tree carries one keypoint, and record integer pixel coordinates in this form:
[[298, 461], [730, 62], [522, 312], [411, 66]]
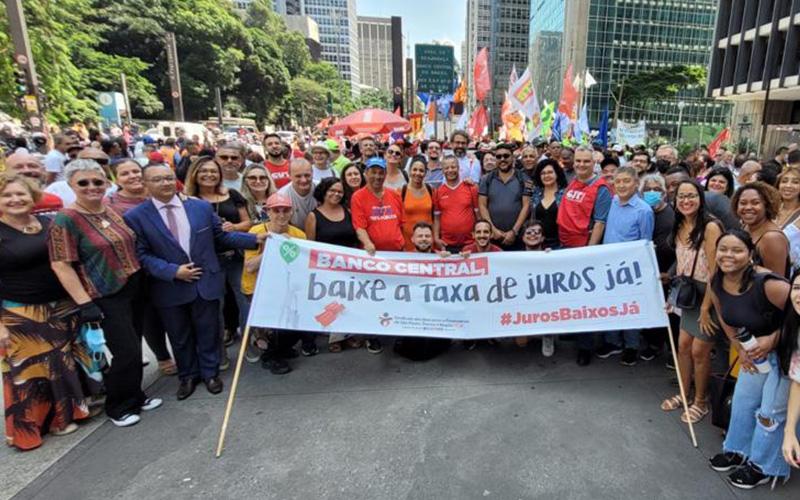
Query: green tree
[[328, 77], [658, 84], [307, 102], [374, 98]]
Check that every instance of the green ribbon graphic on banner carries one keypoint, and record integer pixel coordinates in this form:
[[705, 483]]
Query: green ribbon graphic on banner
[[289, 252]]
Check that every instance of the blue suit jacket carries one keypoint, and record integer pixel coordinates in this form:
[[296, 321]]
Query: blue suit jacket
[[161, 254]]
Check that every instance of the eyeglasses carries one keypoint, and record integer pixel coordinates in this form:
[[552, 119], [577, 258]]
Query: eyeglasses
[[394, 152], [533, 231], [94, 182], [257, 178], [502, 157], [693, 196], [161, 178], [228, 158]]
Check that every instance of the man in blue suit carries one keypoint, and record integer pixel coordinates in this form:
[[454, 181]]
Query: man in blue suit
[[176, 242]]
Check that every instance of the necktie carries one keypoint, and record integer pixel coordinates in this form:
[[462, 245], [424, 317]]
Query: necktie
[[172, 222]]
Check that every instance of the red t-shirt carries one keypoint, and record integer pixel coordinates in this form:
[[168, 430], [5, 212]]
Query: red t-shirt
[[456, 209], [49, 203], [473, 248], [382, 219], [279, 173]]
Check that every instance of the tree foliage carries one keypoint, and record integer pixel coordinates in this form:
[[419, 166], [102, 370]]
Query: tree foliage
[[374, 98], [659, 83]]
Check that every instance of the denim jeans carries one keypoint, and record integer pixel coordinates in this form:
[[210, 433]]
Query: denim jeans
[[758, 415], [631, 338]]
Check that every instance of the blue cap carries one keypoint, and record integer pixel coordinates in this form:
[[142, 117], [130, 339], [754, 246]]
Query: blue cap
[[375, 161], [148, 140]]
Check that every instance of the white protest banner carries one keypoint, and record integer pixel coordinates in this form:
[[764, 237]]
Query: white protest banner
[[631, 134], [316, 287]]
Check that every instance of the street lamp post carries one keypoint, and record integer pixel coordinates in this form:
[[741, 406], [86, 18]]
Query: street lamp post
[[681, 105]]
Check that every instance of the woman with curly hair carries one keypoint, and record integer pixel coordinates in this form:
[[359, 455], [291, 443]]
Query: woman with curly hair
[[757, 205]]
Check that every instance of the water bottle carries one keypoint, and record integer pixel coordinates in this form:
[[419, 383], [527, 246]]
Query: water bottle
[[749, 343]]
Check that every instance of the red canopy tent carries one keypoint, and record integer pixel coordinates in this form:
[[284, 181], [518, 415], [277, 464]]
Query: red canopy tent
[[369, 121]]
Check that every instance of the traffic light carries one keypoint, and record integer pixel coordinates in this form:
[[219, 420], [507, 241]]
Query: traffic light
[[20, 81]]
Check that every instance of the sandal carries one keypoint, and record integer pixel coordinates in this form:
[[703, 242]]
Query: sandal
[[695, 414], [335, 347], [672, 404]]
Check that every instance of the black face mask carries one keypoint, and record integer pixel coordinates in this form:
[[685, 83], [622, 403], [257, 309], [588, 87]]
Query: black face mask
[[662, 166]]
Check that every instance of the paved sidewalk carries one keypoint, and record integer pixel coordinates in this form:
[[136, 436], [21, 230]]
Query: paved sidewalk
[[500, 423]]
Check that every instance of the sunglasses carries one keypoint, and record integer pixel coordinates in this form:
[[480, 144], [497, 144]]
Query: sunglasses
[[502, 157], [394, 152], [228, 158], [257, 178], [94, 182]]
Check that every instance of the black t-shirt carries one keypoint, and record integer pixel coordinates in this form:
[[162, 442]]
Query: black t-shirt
[[228, 210], [25, 273], [665, 254]]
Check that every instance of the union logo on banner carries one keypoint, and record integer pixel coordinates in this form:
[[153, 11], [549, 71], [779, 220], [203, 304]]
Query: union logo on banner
[[523, 93]]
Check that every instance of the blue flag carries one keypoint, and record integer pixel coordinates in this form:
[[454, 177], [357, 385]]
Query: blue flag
[[556, 131], [602, 137], [443, 103]]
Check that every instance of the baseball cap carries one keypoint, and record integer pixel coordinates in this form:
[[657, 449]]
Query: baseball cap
[[618, 148], [332, 145], [320, 146], [375, 161], [277, 200]]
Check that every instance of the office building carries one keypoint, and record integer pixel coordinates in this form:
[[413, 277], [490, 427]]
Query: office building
[[756, 51], [310, 31], [502, 26], [375, 52], [338, 35], [616, 39]]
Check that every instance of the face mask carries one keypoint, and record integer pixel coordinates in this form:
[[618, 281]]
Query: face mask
[[652, 198], [662, 166]]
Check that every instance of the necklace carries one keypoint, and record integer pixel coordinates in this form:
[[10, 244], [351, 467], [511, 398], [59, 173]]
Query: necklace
[[104, 222], [32, 227]]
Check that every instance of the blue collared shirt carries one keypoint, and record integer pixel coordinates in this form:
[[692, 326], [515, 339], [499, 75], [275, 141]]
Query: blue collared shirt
[[631, 221]]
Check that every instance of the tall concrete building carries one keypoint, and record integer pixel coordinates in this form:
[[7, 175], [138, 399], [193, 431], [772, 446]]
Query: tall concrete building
[[338, 35], [375, 52], [502, 26], [756, 59], [615, 39]]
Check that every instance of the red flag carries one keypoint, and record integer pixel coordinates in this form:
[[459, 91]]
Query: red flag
[[568, 104], [397, 111], [482, 81], [722, 137], [478, 121]]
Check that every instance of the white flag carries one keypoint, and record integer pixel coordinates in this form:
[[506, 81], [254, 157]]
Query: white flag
[[522, 94], [589, 80], [536, 119]]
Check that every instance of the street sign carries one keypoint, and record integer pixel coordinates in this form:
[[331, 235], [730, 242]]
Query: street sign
[[434, 68]]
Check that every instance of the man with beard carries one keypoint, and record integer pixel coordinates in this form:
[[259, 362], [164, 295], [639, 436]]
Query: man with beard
[[435, 175], [277, 164], [504, 198], [368, 148], [422, 348], [568, 163], [469, 166]]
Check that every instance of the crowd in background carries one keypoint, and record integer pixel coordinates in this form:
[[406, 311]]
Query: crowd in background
[[162, 241]]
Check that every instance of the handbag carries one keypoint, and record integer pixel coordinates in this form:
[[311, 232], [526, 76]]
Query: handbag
[[721, 394], [685, 292]]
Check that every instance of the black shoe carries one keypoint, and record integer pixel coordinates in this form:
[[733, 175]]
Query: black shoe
[[309, 349], [584, 357], [628, 357], [228, 338], [186, 388], [288, 353], [649, 354], [724, 462], [670, 364], [607, 350], [748, 477], [214, 385], [374, 346], [469, 345], [276, 366]]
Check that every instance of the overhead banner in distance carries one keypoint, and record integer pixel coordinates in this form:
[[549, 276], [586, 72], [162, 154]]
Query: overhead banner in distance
[[315, 287]]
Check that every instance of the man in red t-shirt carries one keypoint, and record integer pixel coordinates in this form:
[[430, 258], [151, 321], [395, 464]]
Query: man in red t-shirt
[[377, 212], [482, 236], [276, 164], [455, 206], [29, 166]]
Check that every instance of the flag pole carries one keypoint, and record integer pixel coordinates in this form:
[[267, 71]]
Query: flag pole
[[234, 384], [680, 383]]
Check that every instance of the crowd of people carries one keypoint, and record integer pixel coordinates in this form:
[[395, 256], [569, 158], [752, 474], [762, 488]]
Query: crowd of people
[[163, 243]]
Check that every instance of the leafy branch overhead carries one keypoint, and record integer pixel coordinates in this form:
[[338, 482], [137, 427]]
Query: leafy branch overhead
[[659, 83]]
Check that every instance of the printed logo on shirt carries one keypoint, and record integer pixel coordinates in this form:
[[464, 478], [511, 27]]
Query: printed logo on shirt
[[382, 213], [577, 196]]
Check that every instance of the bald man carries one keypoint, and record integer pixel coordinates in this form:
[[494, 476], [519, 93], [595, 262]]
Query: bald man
[[301, 191]]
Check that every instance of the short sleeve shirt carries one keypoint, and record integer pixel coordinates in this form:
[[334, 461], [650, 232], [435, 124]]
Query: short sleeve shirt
[[279, 173], [504, 199], [381, 218], [456, 210], [249, 279], [101, 247]]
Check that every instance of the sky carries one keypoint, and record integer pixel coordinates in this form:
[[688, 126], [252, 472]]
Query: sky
[[423, 20]]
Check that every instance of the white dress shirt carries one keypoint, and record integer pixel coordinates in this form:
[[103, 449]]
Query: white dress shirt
[[184, 228]]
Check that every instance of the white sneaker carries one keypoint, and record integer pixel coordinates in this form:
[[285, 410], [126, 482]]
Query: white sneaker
[[152, 404], [126, 420], [548, 346]]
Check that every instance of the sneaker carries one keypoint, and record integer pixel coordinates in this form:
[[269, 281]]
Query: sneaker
[[648, 354], [548, 346], [469, 345], [276, 366], [724, 462], [374, 346], [584, 357], [607, 350], [670, 364], [628, 357], [309, 349], [228, 338], [152, 403], [253, 353], [126, 420], [748, 477], [225, 362]]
